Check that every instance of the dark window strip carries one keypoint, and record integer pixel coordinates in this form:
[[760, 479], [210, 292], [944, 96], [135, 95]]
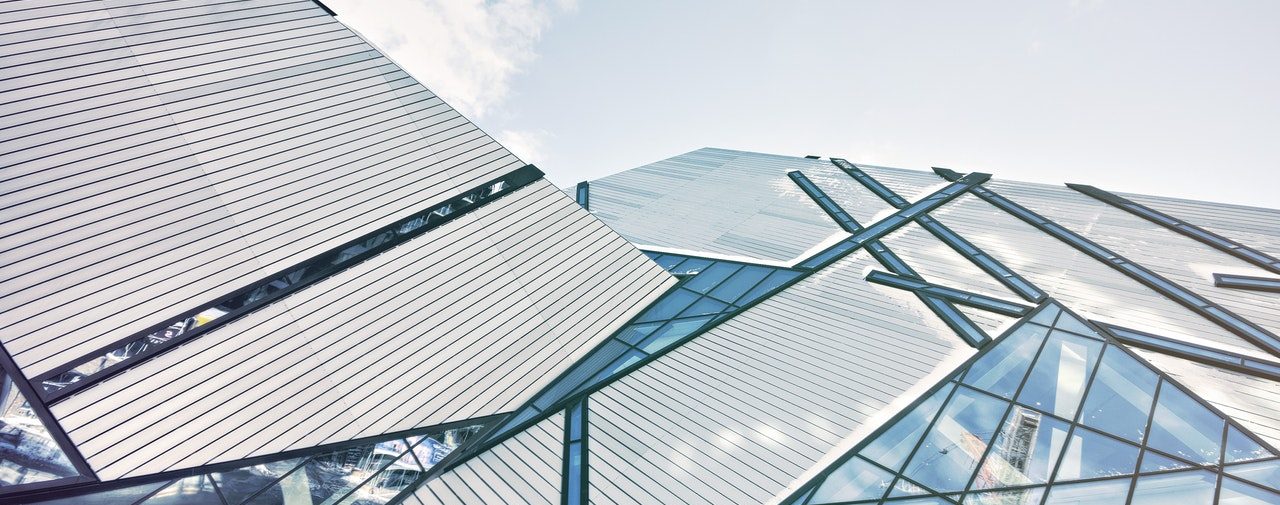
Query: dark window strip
[[153, 341], [1205, 308], [1246, 282], [576, 468], [69, 490], [951, 294], [991, 266], [1206, 237], [1202, 354], [584, 194], [954, 319]]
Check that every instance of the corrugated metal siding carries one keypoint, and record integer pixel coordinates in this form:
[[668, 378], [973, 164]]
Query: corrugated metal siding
[[1080, 282], [159, 155], [525, 469], [863, 205], [1252, 226], [1252, 401], [940, 264], [910, 184], [738, 413], [716, 201], [1173, 256], [465, 321]]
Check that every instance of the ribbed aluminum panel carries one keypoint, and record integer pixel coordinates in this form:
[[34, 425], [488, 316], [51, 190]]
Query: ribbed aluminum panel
[[465, 321], [1174, 256], [1253, 226], [740, 412], [940, 264], [1080, 282], [158, 155], [716, 201], [861, 204], [1252, 401], [910, 184], [525, 469]]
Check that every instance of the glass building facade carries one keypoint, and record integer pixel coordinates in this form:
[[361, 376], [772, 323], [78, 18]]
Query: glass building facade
[[248, 259]]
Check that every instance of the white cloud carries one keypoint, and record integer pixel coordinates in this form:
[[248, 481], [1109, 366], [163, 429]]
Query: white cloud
[[528, 145], [466, 51]]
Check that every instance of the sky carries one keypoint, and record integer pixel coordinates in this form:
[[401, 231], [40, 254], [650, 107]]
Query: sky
[[1170, 98]]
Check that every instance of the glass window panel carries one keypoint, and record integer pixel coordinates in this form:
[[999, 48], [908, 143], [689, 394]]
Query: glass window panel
[[1001, 369], [775, 279], [668, 261], [28, 452], [893, 446], [330, 476], [692, 266], [801, 500], [1105, 492], [855, 480], [573, 491], [950, 450], [239, 484], [626, 360], [1235, 492], [381, 487], [1012, 497], [1091, 454], [1185, 428], [1155, 462], [1260, 472], [928, 500], [673, 331], [1242, 448], [1024, 452], [637, 332], [124, 496], [1058, 379], [1071, 324], [1182, 487], [742, 281], [197, 490], [711, 277], [669, 306], [703, 307], [904, 487], [1047, 316], [1119, 400]]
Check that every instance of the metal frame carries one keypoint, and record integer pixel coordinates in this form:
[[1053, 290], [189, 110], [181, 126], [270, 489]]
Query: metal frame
[[1206, 237], [314, 270], [1214, 357], [1187, 298], [51, 424], [574, 491], [962, 297], [1246, 282], [583, 194]]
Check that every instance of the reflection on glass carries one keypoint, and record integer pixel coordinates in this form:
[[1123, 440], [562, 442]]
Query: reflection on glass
[[1195, 486], [1071, 324], [124, 496], [1105, 492], [1242, 448], [1058, 379], [892, 447], [197, 490], [1185, 428], [950, 450], [856, 479], [1000, 370], [1012, 497], [1235, 492], [28, 452], [1024, 452], [1266, 473], [240, 484], [1047, 316], [1091, 455], [1119, 399], [1154, 462]]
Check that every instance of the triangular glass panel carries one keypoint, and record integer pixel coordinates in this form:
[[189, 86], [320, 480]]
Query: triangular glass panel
[[1030, 496], [711, 276], [904, 487], [926, 500], [1102, 492], [196, 490], [1047, 315], [691, 266], [800, 500], [669, 306], [1235, 492], [1184, 427], [1120, 398], [1092, 455], [1242, 448], [1266, 473], [705, 307], [1155, 462], [123, 496], [633, 334], [1001, 369], [1058, 379], [667, 261], [1195, 486], [775, 279], [1024, 452], [950, 450], [855, 480], [239, 484], [892, 447], [671, 332], [740, 282], [28, 452], [1072, 324]]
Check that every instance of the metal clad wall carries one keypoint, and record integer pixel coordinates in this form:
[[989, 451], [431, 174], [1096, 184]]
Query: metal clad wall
[[736, 414], [940, 264], [465, 321], [1255, 227], [158, 155], [863, 205], [1176, 257], [524, 469], [910, 184], [716, 201], [1080, 282], [1253, 401]]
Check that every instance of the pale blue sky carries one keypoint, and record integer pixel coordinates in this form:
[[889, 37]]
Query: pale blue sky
[[1164, 97]]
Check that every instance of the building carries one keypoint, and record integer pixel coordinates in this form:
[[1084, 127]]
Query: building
[[248, 259]]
